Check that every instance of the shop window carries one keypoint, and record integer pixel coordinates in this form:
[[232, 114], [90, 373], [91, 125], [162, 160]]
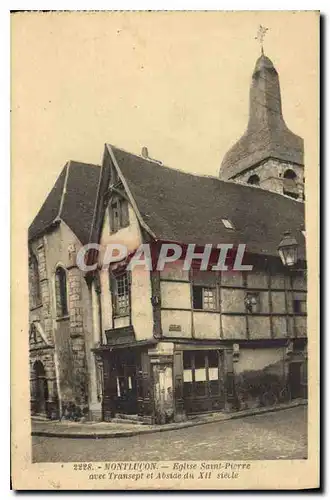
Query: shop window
[[61, 292], [118, 214], [213, 371], [204, 298], [201, 373]]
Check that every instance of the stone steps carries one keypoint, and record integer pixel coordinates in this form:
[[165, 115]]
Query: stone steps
[[122, 418]]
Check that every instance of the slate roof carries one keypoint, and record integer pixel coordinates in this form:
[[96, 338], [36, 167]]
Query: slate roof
[[186, 208], [267, 135], [176, 206], [72, 200]]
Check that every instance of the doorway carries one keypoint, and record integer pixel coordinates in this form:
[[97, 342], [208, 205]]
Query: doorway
[[39, 388]]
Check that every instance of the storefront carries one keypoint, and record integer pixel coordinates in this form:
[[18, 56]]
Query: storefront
[[127, 381], [203, 377], [160, 382]]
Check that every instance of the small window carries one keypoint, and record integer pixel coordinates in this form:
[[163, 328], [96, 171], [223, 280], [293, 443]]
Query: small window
[[299, 306], [204, 298], [228, 224], [252, 302], [254, 180], [120, 290], [61, 292], [289, 174]]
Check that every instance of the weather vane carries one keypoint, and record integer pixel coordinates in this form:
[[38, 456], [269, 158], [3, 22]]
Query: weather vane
[[262, 30]]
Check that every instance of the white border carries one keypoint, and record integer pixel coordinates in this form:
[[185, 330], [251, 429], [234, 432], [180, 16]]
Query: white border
[[324, 6]]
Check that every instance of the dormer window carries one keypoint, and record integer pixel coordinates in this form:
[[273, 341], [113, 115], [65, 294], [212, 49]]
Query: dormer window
[[118, 214], [228, 224]]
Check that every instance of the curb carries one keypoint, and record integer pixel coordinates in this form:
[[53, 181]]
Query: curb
[[168, 427]]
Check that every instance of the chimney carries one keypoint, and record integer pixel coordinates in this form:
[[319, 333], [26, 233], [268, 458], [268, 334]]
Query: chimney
[[145, 152]]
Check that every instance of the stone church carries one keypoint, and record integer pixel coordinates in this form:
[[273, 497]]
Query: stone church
[[159, 346]]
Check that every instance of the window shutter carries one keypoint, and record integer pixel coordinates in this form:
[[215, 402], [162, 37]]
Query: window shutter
[[197, 297], [124, 213], [110, 218]]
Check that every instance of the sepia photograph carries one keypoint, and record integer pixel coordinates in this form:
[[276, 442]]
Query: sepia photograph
[[166, 309]]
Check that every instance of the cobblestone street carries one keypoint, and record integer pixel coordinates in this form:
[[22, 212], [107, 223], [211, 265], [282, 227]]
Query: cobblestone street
[[278, 435]]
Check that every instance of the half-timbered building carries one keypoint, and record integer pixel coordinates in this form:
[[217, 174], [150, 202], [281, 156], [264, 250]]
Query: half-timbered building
[[161, 345]]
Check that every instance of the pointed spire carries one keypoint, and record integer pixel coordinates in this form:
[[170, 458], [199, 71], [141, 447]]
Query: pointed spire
[[267, 134]]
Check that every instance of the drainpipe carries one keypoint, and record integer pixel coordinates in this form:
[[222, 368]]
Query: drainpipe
[[99, 305], [57, 374]]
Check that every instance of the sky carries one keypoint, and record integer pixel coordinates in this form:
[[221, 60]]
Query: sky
[[177, 83]]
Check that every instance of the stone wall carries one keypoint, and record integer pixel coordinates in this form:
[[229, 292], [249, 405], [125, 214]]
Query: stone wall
[[67, 363], [271, 172], [161, 359]]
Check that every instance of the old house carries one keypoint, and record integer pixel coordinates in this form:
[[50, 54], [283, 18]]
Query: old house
[[161, 345], [59, 296]]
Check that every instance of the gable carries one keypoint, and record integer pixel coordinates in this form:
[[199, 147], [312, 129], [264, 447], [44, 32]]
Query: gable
[[37, 336], [72, 199], [113, 184]]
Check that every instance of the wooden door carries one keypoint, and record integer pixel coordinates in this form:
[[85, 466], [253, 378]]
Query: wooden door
[[145, 401]]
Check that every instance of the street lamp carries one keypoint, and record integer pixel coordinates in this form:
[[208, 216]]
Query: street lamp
[[288, 250]]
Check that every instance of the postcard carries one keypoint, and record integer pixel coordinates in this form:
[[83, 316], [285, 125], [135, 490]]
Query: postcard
[[165, 172]]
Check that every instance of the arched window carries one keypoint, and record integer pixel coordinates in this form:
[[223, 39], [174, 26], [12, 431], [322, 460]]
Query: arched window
[[290, 187], [289, 174], [61, 293], [254, 180], [34, 282]]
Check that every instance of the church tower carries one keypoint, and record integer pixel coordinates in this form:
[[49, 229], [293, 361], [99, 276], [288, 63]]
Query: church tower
[[268, 154]]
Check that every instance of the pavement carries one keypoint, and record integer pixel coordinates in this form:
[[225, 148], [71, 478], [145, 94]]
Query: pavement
[[97, 430], [276, 435]]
